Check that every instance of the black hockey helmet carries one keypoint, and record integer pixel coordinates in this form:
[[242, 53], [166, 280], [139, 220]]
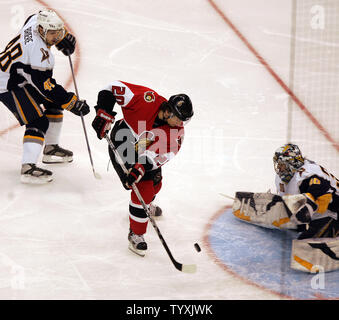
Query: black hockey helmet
[[181, 106]]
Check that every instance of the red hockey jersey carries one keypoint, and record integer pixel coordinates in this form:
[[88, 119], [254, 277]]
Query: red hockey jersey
[[140, 106]]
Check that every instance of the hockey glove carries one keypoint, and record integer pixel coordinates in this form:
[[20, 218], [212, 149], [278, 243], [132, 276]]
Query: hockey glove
[[134, 175], [76, 106], [102, 122], [304, 214], [67, 44]]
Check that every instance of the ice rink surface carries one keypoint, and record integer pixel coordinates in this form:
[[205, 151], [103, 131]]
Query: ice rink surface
[[68, 239]]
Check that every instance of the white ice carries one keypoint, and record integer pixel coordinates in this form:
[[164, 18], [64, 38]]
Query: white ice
[[68, 239]]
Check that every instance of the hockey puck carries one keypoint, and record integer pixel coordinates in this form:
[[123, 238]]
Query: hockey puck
[[197, 247]]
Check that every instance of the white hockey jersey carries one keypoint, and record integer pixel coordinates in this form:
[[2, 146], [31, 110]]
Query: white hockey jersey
[[308, 170], [28, 60]]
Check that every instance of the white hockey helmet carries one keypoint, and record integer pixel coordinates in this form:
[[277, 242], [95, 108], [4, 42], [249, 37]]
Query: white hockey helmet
[[49, 20]]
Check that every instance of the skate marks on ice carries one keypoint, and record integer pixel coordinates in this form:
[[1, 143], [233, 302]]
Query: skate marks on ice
[[261, 257]]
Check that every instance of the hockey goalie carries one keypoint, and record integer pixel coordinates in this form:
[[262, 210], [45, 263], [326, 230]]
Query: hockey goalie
[[307, 201]]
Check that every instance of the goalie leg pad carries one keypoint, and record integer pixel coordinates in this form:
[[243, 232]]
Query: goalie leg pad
[[263, 209], [315, 255]]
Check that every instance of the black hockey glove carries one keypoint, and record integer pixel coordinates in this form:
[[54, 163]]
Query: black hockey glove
[[102, 122], [76, 106], [67, 44], [134, 175], [304, 214], [80, 107]]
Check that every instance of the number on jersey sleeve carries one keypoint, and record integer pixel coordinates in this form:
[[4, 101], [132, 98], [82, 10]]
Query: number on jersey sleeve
[[12, 51]]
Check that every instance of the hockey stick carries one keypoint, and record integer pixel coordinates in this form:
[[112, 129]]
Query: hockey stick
[[96, 175], [187, 268], [226, 196]]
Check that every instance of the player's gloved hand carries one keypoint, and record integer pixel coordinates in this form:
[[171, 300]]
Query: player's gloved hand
[[102, 122], [134, 175], [303, 215], [67, 44], [80, 107], [76, 106]]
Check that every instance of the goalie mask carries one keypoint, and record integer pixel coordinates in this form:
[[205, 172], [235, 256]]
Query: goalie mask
[[287, 160]]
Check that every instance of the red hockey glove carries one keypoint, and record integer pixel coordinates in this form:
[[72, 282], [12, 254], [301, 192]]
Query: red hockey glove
[[134, 175], [102, 122]]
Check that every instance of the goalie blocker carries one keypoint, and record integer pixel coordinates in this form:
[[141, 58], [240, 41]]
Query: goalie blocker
[[269, 210]]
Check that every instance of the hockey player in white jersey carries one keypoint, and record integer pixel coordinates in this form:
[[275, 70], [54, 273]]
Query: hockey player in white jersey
[[317, 193], [297, 175], [307, 200], [28, 90]]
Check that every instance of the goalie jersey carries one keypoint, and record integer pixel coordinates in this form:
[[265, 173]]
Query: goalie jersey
[[153, 138], [28, 60], [315, 181]]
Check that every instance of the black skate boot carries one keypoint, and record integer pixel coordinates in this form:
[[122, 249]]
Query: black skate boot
[[30, 173], [137, 243], [53, 153]]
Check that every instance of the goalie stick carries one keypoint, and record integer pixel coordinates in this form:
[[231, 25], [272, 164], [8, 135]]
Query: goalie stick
[[187, 268], [96, 175]]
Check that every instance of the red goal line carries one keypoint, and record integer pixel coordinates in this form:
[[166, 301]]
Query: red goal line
[[275, 76]]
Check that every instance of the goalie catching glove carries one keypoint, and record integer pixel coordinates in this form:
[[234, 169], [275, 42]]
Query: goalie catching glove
[[102, 122], [67, 44]]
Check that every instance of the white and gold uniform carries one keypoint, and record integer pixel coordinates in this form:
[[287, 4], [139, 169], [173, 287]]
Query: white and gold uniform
[[27, 87], [316, 181]]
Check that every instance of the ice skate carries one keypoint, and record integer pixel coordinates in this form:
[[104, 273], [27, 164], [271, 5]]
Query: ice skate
[[155, 210], [53, 153], [137, 243], [30, 173]]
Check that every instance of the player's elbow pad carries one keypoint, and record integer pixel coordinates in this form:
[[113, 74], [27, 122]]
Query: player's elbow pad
[[106, 101]]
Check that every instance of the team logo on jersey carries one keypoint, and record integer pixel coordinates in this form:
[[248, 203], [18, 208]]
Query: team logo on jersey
[[149, 96], [48, 85], [144, 140], [45, 55]]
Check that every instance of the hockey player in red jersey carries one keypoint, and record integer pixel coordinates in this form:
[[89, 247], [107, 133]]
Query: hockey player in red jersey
[[149, 135], [27, 83]]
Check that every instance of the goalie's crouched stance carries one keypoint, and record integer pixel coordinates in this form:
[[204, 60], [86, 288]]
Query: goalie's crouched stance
[[317, 246], [307, 201]]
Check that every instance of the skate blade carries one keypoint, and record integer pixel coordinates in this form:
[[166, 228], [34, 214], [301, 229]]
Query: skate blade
[[35, 180], [140, 253], [55, 159]]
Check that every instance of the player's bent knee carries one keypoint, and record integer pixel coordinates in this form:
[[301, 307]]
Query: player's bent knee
[[41, 124]]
